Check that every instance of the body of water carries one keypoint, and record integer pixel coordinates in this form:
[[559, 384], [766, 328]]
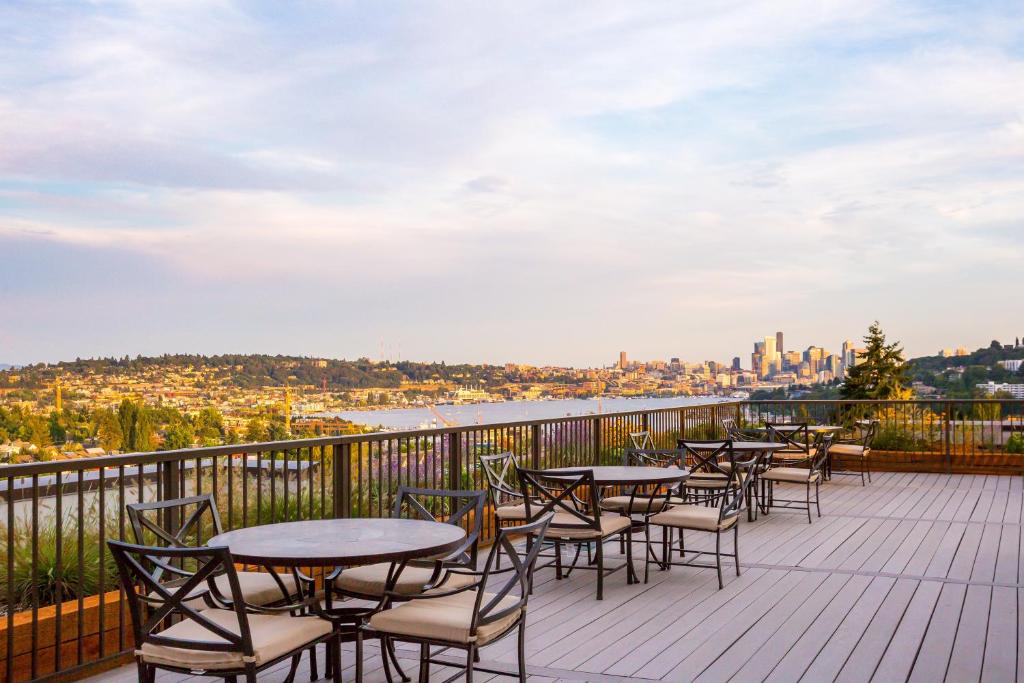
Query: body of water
[[510, 411]]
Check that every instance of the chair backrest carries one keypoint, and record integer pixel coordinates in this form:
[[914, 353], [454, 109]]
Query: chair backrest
[[174, 524], [793, 434], [570, 492], [734, 496], [458, 508], [821, 446], [641, 439], [502, 474], [868, 431], [732, 430], [654, 457], [518, 585], [702, 457], [151, 601]]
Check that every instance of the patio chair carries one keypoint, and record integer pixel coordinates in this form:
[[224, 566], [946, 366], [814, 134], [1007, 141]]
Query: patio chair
[[709, 476], [238, 640], [858, 448], [471, 616], [716, 519], [376, 581], [501, 472], [795, 436], [155, 524], [641, 439], [734, 433], [811, 475], [573, 498]]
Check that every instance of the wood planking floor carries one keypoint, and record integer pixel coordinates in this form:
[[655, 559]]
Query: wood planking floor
[[914, 577]]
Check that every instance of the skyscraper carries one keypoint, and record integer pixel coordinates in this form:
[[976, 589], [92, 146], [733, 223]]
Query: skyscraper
[[623, 360], [736, 363], [778, 342]]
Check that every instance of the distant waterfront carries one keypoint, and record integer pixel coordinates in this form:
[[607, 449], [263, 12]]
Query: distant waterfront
[[509, 411]]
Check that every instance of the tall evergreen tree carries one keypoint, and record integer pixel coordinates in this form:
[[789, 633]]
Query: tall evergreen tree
[[880, 372]]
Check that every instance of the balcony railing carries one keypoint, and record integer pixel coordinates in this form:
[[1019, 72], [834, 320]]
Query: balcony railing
[[62, 608]]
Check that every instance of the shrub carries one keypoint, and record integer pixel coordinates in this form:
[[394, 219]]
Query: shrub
[[1015, 444]]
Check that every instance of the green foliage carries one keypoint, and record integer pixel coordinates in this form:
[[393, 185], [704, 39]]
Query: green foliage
[[880, 372], [1015, 444]]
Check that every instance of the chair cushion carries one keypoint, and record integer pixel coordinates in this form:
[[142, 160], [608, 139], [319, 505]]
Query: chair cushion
[[847, 449], [610, 524], [272, 636], [791, 455], [510, 512], [693, 517], [446, 618], [640, 503], [258, 588], [370, 579], [796, 475]]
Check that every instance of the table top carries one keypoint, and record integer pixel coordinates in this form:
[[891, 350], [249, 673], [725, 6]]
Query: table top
[[810, 428], [609, 475], [340, 542], [754, 446]]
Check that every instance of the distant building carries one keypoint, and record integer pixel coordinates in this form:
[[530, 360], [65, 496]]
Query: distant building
[[1011, 365], [1015, 390], [736, 364], [623, 360], [778, 342]]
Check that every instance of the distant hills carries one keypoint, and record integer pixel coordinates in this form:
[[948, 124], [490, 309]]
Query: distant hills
[[258, 370], [958, 376], [5, 366]]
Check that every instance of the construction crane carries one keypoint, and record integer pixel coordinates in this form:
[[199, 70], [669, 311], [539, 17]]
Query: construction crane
[[442, 418]]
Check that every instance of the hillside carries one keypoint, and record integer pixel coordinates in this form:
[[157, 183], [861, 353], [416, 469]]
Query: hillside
[[254, 370], [957, 376]]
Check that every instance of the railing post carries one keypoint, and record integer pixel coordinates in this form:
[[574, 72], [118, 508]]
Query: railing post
[[535, 447], [170, 472], [682, 423], [949, 436], [342, 470], [454, 461], [596, 430]]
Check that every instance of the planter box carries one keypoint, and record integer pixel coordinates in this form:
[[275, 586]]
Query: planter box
[[46, 633]]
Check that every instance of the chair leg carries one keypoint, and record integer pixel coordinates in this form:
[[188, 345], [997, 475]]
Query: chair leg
[[867, 464], [600, 571], [558, 561], [522, 650], [334, 652], [296, 659], [630, 570], [314, 671], [424, 663], [359, 657], [817, 498], [647, 552], [384, 659], [808, 502], [394, 660], [736, 546], [718, 558], [469, 665]]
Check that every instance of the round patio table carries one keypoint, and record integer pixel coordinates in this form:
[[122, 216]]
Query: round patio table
[[340, 542]]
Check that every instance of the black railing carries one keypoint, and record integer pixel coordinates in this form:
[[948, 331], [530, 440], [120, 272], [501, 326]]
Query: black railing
[[62, 608]]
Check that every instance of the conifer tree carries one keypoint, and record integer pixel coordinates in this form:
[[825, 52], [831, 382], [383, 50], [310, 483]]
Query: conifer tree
[[880, 372]]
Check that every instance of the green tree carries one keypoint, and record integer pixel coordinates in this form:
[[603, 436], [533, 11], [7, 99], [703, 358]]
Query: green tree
[[880, 372], [107, 430], [136, 426], [209, 426], [255, 430], [179, 435]]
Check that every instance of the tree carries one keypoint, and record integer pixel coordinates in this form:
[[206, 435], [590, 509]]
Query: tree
[[108, 430], [880, 372], [255, 430], [179, 435]]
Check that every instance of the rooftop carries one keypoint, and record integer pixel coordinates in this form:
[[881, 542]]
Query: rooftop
[[915, 577]]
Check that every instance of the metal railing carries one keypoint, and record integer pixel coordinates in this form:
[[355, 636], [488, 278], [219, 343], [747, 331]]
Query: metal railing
[[62, 609]]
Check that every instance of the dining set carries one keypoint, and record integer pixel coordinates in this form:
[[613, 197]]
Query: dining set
[[232, 604]]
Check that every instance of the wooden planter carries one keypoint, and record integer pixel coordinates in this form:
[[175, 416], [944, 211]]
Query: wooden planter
[[46, 631]]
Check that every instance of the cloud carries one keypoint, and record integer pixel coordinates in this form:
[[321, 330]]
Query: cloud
[[519, 159]]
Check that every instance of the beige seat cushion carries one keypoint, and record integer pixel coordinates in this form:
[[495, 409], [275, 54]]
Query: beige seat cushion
[[847, 449], [258, 588], [511, 512], [791, 455], [640, 503], [272, 636], [447, 618], [693, 517], [797, 475], [610, 524], [370, 579]]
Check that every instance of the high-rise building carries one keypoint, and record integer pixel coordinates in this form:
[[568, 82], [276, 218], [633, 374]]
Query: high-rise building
[[736, 364], [623, 360], [778, 342]]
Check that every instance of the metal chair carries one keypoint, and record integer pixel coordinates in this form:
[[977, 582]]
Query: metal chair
[[812, 474], [709, 477], [239, 639], [714, 519], [377, 581], [734, 433], [857, 447], [641, 439], [573, 498], [501, 473], [468, 617], [184, 523], [643, 502]]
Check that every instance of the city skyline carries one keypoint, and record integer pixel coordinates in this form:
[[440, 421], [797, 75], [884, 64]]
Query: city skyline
[[507, 182]]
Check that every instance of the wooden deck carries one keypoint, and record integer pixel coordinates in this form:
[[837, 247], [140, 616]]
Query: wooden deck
[[916, 577]]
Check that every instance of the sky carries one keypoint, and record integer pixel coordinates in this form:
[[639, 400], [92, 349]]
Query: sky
[[534, 182]]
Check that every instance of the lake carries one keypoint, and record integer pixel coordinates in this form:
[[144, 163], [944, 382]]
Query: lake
[[510, 411]]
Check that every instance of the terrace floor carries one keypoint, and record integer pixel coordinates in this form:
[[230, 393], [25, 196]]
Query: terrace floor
[[916, 577]]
